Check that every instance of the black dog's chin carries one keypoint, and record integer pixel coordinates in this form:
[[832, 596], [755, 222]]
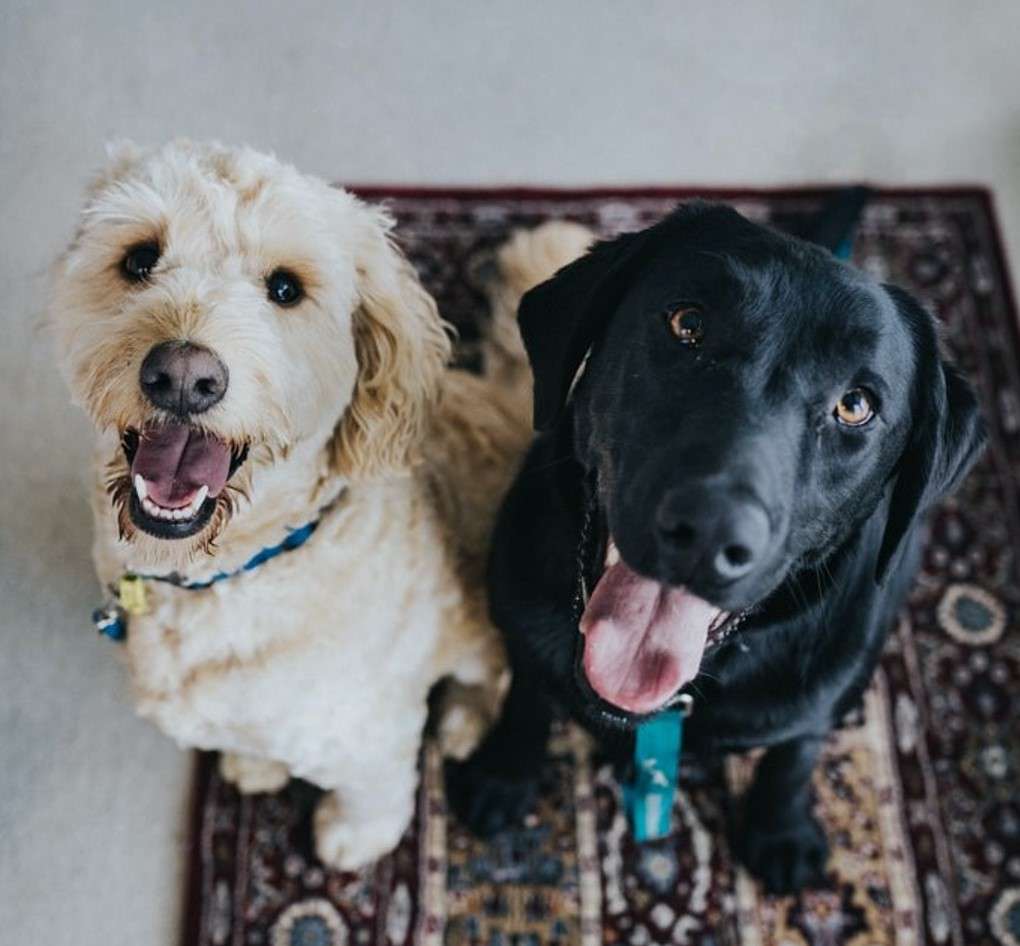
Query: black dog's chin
[[596, 710], [166, 529]]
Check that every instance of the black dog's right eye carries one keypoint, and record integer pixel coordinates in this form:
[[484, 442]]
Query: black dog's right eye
[[854, 408], [139, 261], [688, 324]]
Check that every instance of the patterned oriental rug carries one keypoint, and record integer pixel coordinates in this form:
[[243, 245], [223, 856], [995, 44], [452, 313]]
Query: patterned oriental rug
[[919, 792]]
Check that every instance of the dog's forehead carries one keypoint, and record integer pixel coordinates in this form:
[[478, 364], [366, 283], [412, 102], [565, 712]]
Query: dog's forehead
[[211, 203], [780, 306], [757, 282]]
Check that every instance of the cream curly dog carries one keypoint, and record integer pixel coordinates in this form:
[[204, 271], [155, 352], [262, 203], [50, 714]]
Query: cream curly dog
[[258, 357]]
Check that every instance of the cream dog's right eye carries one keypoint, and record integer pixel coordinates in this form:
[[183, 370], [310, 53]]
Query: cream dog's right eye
[[284, 287], [139, 261]]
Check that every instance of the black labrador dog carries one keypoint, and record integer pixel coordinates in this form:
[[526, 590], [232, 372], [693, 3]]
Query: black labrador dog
[[740, 436]]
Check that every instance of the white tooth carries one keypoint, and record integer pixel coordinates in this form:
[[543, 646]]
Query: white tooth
[[150, 507], [196, 503], [612, 554], [180, 513], [140, 487]]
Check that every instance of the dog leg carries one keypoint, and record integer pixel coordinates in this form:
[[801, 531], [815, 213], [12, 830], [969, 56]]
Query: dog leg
[[496, 787], [357, 824], [781, 841], [251, 774]]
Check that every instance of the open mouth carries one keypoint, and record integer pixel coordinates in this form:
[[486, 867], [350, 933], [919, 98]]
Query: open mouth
[[643, 641], [177, 474]]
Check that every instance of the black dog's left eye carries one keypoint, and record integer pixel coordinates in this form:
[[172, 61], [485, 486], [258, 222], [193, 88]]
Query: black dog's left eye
[[284, 287], [687, 324], [854, 409]]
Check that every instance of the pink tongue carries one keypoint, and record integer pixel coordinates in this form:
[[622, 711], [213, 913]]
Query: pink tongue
[[642, 640], [176, 461]]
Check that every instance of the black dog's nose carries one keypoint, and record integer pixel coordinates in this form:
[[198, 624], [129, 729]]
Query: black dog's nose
[[183, 378], [712, 532]]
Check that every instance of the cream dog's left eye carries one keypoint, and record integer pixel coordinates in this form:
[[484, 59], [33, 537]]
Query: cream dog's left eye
[[139, 261], [284, 287]]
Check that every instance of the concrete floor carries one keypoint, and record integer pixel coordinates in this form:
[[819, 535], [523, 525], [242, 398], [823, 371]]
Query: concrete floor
[[569, 92]]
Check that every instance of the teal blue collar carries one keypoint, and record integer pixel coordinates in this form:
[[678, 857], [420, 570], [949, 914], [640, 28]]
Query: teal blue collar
[[648, 797], [128, 597], [295, 539]]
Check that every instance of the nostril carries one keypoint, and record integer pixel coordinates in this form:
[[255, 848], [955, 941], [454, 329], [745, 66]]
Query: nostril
[[733, 561], [737, 555], [207, 387], [157, 380], [682, 535]]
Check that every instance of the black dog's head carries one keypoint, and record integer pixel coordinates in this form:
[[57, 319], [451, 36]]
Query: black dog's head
[[746, 403]]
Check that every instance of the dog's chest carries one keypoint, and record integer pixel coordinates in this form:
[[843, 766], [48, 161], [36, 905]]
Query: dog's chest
[[261, 660]]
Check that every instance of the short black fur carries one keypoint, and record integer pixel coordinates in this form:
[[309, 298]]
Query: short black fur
[[737, 429]]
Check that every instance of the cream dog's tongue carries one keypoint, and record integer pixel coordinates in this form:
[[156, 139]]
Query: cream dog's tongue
[[175, 461], [642, 640]]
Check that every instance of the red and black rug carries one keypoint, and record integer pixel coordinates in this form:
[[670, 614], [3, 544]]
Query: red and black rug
[[921, 793]]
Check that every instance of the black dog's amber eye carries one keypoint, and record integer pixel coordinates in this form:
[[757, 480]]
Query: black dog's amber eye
[[284, 287], [139, 261], [687, 324], [854, 408]]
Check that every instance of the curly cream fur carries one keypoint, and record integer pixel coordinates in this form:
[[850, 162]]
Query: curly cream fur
[[319, 664]]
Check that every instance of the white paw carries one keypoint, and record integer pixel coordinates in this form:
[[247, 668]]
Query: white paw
[[252, 775], [348, 844]]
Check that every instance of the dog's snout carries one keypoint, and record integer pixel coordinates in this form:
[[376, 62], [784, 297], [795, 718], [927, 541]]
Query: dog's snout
[[183, 378], [713, 533]]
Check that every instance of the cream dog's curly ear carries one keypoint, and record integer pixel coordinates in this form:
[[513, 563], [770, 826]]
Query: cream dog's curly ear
[[402, 348]]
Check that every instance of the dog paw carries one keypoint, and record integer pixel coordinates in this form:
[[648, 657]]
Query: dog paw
[[785, 858], [460, 730], [252, 775], [344, 843], [487, 803]]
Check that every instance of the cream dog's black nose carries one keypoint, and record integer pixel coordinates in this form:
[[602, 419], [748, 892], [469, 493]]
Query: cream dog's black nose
[[183, 378]]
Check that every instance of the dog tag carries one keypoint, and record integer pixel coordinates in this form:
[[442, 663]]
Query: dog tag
[[649, 797], [131, 594]]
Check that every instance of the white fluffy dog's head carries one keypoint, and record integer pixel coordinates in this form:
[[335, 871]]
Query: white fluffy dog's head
[[216, 311]]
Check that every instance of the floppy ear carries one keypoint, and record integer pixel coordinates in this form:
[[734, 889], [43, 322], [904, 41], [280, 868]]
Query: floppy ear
[[561, 318], [947, 437], [402, 348]]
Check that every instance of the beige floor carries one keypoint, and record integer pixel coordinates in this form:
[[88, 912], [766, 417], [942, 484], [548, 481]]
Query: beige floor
[[550, 92]]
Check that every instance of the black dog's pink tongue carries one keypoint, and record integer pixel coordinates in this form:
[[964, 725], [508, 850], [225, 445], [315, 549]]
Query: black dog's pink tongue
[[176, 461], [642, 640]]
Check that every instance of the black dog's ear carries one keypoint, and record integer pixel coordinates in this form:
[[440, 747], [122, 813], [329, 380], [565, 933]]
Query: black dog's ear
[[947, 436], [561, 318]]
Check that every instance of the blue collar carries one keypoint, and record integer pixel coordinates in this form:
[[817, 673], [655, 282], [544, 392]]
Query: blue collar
[[128, 597], [295, 539]]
